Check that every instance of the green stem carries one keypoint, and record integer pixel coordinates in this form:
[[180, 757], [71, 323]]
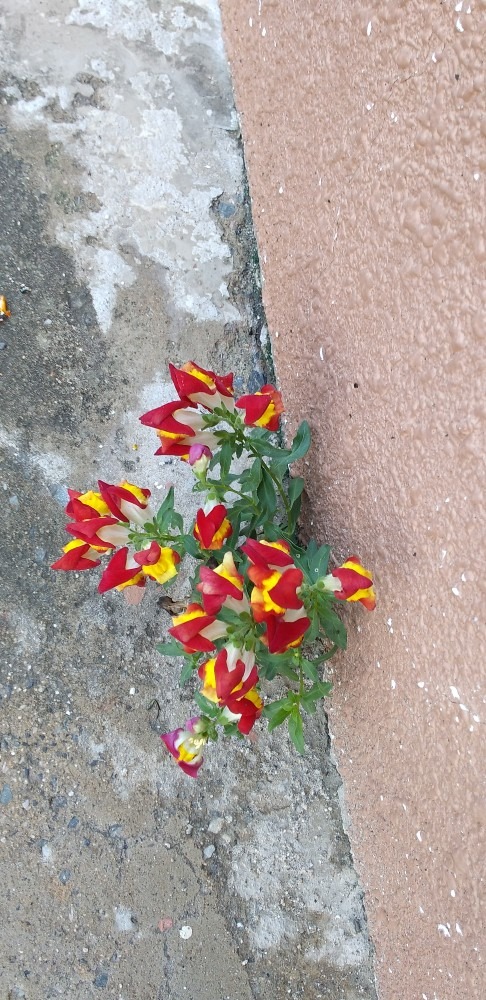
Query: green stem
[[301, 679]]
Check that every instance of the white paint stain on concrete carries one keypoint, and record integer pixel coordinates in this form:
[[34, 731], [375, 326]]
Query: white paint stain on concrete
[[151, 158]]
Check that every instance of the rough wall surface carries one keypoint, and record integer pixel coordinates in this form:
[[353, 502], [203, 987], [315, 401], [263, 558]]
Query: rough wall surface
[[364, 135]]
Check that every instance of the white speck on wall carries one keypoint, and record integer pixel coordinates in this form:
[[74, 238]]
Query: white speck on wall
[[456, 591], [185, 932], [463, 577], [47, 852], [321, 353], [458, 930], [434, 57], [280, 190], [250, 22], [444, 929], [389, 622], [454, 692], [393, 685], [264, 31], [458, 7], [459, 26], [369, 28], [419, 836], [370, 105], [420, 684], [453, 893], [463, 708], [421, 909], [123, 918], [378, 664]]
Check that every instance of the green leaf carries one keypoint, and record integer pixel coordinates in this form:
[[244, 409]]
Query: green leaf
[[250, 478], [296, 729], [313, 630], [266, 496], [278, 718], [263, 447], [176, 521], [277, 711], [187, 671], [166, 509], [321, 689], [271, 664], [314, 694], [301, 443], [308, 704], [333, 627], [310, 669], [318, 563], [191, 546], [207, 707], [296, 485], [225, 458], [170, 648]]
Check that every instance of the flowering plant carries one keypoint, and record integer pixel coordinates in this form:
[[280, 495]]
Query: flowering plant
[[262, 604]]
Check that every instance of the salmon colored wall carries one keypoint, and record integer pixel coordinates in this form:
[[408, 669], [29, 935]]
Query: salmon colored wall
[[364, 134]]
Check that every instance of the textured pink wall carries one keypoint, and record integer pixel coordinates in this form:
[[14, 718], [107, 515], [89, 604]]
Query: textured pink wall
[[364, 135]]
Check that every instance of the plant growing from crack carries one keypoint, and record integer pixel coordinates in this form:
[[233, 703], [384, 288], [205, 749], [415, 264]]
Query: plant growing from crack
[[263, 605]]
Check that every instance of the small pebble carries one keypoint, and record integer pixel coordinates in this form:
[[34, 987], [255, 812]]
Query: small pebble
[[209, 851], [6, 795], [3, 345], [185, 932], [73, 823], [101, 980], [216, 825], [14, 502], [65, 876]]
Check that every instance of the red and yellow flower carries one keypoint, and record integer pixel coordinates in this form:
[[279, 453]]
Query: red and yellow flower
[[222, 586], [179, 428], [286, 631], [196, 630], [212, 527], [79, 555], [230, 680], [101, 523], [201, 386], [262, 408], [127, 569], [186, 745], [275, 576], [352, 582]]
